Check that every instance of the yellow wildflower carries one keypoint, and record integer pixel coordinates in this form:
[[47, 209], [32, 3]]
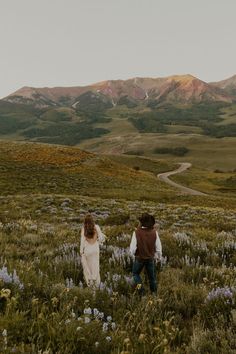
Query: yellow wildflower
[[5, 293]]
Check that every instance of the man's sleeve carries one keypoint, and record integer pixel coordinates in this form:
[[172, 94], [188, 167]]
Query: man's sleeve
[[133, 244], [158, 247]]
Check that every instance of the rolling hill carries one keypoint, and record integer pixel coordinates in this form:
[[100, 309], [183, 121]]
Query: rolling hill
[[27, 167]]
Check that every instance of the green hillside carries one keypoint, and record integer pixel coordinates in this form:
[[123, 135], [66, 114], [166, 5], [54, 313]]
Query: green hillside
[[29, 122], [203, 134], [43, 168]]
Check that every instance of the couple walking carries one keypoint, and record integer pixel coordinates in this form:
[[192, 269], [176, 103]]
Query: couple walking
[[145, 246]]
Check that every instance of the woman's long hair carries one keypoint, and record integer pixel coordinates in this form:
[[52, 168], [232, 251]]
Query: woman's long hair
[[89, 226]]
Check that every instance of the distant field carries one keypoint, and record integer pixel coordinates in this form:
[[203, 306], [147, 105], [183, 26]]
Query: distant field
[[229, 115], [204, 152], [218, 183], [27, 168]]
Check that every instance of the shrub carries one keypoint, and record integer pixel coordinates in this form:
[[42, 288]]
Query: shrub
[[119, 219], [177, 151]]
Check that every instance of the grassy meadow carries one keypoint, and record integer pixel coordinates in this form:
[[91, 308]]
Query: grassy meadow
[[45, 307], [204, 150]]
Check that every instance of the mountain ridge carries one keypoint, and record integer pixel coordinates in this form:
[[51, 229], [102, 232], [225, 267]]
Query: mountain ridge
[[228, 85], [176, 88]]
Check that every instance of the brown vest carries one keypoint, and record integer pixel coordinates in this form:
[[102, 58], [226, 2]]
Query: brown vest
[[146, 240]]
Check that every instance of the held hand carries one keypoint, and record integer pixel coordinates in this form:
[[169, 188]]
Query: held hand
[[158, 256]]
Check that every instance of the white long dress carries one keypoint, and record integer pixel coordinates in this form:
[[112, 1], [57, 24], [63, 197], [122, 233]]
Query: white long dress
[[90, 257]]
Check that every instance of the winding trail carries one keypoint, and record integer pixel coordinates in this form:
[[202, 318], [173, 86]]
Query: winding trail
[[183, 166]]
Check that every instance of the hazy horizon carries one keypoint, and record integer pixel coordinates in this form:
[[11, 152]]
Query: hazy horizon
[[77, 43]]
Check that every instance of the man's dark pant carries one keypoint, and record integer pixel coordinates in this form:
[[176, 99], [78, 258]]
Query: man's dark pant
[[149, 265]]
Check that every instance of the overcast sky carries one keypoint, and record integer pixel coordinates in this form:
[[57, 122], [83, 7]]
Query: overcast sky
[[78, 42]]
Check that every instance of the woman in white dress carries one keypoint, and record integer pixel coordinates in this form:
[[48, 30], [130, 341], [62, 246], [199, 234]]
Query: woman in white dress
[[91, 238]]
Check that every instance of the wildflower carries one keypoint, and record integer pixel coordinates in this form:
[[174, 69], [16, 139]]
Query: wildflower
[[116, 277], [10, 278], [80, 319], [40, 316], [54, 301], [35, 301], [67, 321], [78, 328], [102, 286], [108, 338], [129, 280], [109, 318], [101, 315], [88, 311], [95, 312], [4, 334], [113, 326], [87, 320], [220, 293], [127, 341], [141, 337], [69, 283], [105, 327], [96, 344], [5, 293], [165, 341]]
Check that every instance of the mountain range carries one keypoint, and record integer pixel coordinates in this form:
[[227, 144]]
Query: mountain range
[[120, 111], [172, 89]]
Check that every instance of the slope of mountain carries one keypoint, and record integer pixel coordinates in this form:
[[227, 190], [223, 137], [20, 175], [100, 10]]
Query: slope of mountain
[[228, 85]]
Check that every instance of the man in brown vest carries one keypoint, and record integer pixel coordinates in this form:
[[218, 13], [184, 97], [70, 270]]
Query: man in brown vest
[[146, 247]]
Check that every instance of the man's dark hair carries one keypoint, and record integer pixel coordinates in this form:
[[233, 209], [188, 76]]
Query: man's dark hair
[[147, 220]]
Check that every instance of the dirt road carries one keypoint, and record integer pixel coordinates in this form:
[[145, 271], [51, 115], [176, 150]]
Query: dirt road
[[165, 178]]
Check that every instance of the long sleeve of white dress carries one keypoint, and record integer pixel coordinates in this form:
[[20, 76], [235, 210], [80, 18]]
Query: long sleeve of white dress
[[101, 236], [82, 242]]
